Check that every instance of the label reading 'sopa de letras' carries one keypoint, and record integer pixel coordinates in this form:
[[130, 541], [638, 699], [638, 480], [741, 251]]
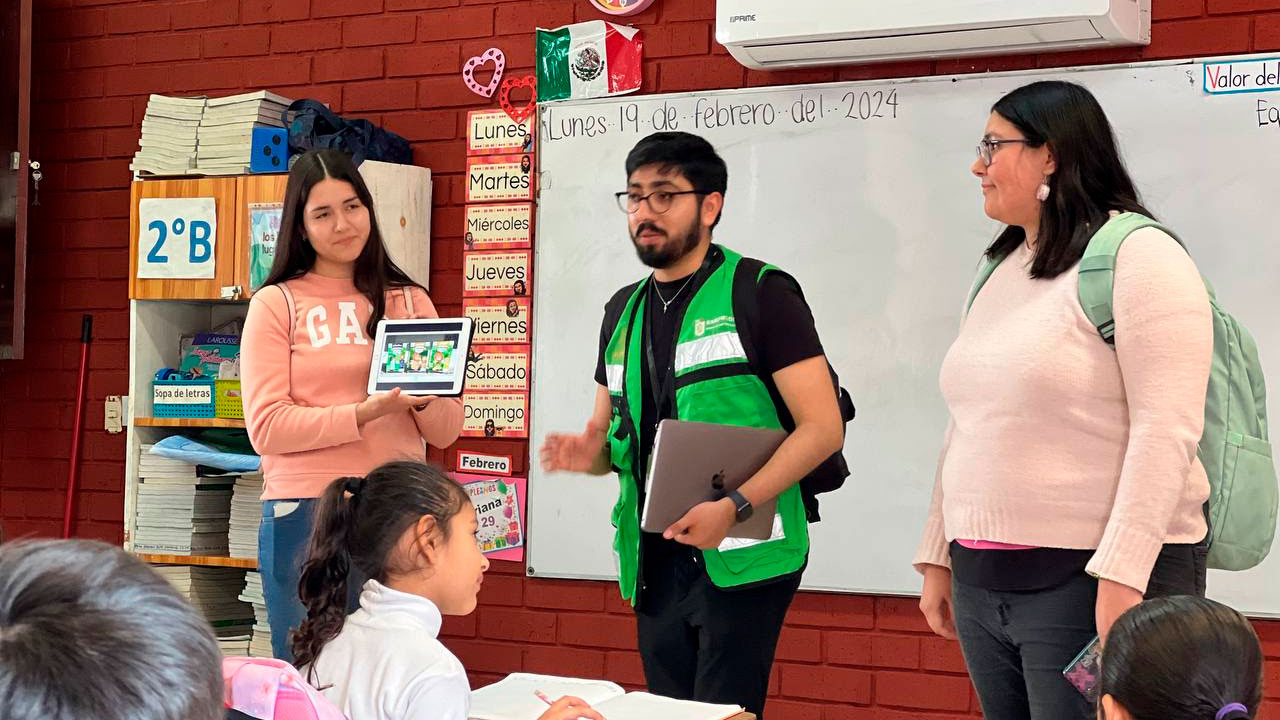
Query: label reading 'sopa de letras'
[[503, 273], [182, 394]]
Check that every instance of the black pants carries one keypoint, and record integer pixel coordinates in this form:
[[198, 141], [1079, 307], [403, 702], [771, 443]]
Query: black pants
[[699, 642], [1016, 644]]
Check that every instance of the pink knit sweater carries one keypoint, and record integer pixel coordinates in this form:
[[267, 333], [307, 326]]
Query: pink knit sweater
[[301, 391], [1058, 440]]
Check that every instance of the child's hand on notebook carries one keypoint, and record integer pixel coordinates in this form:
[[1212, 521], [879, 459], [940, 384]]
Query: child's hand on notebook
[[570, 708]]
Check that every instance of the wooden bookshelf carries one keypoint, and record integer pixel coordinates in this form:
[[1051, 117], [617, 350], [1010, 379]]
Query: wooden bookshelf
[[189, 422], [205, 560]]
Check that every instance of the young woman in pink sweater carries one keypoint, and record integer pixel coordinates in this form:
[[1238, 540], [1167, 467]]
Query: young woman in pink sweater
[[1068, 485], [305, 357]]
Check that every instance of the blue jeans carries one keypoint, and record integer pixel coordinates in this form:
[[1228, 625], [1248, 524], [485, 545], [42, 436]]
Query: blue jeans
[[282, 548], [282, 542]]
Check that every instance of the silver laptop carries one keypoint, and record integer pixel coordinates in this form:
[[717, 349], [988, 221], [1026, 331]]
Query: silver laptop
[[693, 462]]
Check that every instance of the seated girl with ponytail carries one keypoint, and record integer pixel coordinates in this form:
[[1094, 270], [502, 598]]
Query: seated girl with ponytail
[[1181, 658], [412, 531]]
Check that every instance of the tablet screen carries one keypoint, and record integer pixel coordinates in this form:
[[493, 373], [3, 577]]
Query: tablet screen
[[421, 357]]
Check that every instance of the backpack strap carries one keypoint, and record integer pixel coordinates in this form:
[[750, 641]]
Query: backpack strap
[[293, 309], [408, 301], [1098, 269], [987, 267], [746, 310]]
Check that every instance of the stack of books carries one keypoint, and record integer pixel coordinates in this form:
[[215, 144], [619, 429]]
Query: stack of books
[[178, 511], [260, 641], [169, 136], [246, 516], [214, 591], [225, 136]]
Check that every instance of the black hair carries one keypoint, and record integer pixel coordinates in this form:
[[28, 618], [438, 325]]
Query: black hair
[[90, 632], [375, 271], [1182, 658], [358, 522], [690, 155], [1089, 181]]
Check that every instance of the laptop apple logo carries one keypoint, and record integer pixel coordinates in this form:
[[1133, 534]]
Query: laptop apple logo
[[717, 481]]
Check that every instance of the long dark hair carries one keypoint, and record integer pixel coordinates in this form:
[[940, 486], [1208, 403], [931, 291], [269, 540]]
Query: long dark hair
[[375, 272], [358, 522], [1090, 179], [1182, 658]]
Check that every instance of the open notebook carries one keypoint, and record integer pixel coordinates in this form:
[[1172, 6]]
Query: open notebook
[[513, 698]]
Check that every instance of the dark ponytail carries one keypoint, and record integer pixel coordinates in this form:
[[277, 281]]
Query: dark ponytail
[[358, 522], [1183, 658]]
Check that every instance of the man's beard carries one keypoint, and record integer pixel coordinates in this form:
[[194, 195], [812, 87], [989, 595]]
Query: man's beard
[[670, 250]]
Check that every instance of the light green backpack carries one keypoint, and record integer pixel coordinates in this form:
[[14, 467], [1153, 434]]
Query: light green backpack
[[1234, 448]]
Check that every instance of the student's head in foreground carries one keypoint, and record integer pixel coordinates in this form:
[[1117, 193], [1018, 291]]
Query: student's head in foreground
[[89, 632], [1180, 658]]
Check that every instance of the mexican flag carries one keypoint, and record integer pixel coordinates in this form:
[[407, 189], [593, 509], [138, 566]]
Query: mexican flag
[[587, 60]]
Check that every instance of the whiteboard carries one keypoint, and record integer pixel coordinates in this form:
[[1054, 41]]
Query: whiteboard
[[869, 202]]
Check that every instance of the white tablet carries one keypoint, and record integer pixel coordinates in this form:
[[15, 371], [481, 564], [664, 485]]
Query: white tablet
[[421, 357]]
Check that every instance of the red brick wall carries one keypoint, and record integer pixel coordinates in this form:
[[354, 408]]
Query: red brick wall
[[397, 62]]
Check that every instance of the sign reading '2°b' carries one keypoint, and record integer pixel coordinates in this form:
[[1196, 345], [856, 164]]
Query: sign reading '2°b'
[[176, 238]]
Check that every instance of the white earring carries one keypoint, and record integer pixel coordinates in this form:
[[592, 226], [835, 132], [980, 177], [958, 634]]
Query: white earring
[[1042, 192]]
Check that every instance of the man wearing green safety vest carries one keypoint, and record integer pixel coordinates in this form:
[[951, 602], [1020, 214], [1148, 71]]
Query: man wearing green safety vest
[[708, 609]]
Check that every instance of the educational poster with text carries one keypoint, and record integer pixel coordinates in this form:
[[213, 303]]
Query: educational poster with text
[[499, 504], [495, 415], [499, 321], [498, 227], [491, 132], [500, 273], [264, 230], [500, 178]]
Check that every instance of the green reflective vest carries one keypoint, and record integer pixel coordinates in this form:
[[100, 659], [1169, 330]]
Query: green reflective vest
[[713, 383]]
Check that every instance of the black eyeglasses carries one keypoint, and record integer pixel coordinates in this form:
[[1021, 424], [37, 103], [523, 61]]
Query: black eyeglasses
[[988, 146], [659, 200]]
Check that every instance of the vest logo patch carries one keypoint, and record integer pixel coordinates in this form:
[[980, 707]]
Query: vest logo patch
[[723, 322]]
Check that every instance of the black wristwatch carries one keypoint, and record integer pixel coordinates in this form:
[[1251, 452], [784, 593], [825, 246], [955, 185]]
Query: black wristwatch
[[741, 506]]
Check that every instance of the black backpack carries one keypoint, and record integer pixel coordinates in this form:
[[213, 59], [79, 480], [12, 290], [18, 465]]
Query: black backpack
[[831, 473], [316, 127]]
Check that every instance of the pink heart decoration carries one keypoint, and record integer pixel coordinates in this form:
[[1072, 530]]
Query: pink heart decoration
[[499, 61], [504, 97]]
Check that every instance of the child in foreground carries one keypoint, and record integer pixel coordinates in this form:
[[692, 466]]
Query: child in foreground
[[412, 531]]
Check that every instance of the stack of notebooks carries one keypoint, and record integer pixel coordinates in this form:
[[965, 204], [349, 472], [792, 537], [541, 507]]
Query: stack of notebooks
[[246, 515], [225, 137], [178, 511], [169, 135], [260, 642], [214, 591]]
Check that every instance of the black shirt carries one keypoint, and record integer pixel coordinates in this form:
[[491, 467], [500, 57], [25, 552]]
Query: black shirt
[[786, 336]]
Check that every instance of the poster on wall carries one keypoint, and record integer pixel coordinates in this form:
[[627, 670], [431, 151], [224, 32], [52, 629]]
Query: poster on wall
[[500, 513], [500, 273], [495, 415], [498, 178], [493, 132], [264, 230], [498, 321], [498, 227]]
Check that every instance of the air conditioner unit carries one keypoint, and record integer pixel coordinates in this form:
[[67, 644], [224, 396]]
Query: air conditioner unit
[[768, 34]]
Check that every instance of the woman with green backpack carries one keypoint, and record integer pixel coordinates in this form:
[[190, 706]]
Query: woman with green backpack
[[1068, 485]]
